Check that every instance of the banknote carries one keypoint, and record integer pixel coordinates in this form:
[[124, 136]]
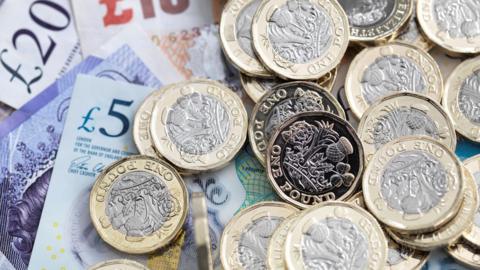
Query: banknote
[[97, 132], [197, 53], [38, 43], [99, 20], [29, 141], [66, 236]]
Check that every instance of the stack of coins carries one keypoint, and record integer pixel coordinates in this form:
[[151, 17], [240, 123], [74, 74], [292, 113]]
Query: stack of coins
[[380, 196]]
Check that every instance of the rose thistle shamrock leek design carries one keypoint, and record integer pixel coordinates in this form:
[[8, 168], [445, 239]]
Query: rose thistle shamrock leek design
[[316, 157]]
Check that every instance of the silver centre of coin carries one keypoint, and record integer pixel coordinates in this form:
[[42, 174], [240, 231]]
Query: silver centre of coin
[[458, 18], [476, 220], [334, 243], [391, 74], [139, 203], [302, 101], [243, 27], [413, 182], [401, 122], [254, 241], [364, 13], [398, 255], [316, 157], [469, 98], [197, 124], [300, 31]]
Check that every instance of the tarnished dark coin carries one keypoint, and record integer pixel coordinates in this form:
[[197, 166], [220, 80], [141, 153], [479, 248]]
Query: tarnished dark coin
[[315, 157], [282, 102]]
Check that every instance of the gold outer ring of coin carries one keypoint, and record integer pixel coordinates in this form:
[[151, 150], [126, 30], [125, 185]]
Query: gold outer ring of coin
[[360, 64], [223, 153], [427, 20], [412, 258], [121, 264], [100, 192], [313, 69], [275, 252], [377, 243], [230, 43], [256, 91], [465, 253], [388, 29], [451, 99], [390, 104], [272, 100], [236, 226], [435, 217], [141, 124], [473, 166], [450, 232]]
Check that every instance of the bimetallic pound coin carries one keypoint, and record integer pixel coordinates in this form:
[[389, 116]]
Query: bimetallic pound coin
[[236, 36], [256, 88], [396, 67], [413, 185], [450, 232], [376, 21], [451, 24], [246, 237], [276, 248], [282, 102], [141, 124], [462, 98], [300, 39], [199, 125], [404, 114], [473, 166], [315, 157], [338, 234], [138, 204], [399, 257], [121, 264], [465, 253], [413, 33]]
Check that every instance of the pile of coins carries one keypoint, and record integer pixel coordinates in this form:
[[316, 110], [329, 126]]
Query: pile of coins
[[380, 196]]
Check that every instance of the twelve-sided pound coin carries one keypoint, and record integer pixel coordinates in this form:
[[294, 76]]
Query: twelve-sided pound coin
[[396, 67], [376, 21], [404, 114], [314, 157], [413, 185], [451, 24], [282, 102], [450, 232], [199, 125], [246, 237], [138, 204], [300, 39], [336, 233]]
